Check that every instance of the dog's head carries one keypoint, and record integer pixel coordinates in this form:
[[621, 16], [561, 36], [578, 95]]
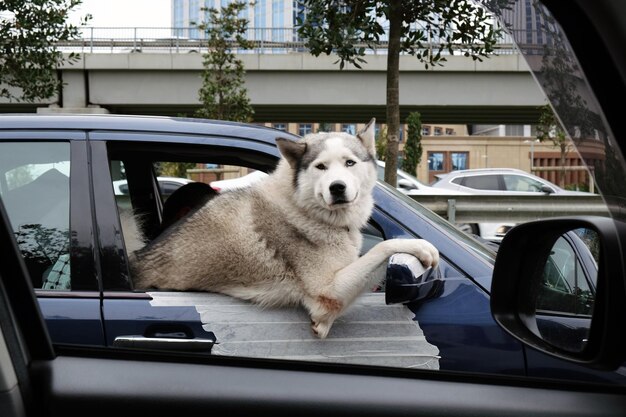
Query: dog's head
[[333, 172]]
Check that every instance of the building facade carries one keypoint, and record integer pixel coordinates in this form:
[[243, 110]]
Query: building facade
[[273, 20]]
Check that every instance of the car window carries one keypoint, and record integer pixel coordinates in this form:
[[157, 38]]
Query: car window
[[482, 182], [521, 183], [35, 188]]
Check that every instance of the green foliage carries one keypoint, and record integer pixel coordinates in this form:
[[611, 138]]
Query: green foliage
[[381, 143], [425, 29], [324, 127], [428, 29], [549, 128], [413, 145], [223, 94], [29, 58], [174, 169]]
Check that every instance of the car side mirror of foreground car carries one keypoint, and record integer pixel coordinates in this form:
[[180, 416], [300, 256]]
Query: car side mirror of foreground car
[[407, 280], [559, 286]]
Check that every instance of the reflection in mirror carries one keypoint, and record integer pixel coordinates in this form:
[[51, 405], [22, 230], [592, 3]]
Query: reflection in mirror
[[567, 292]]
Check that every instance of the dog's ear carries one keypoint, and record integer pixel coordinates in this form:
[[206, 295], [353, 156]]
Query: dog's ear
[[368, 137], [292, 151]]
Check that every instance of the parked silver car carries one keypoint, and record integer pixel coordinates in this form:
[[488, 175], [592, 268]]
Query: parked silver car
[[498, 181]]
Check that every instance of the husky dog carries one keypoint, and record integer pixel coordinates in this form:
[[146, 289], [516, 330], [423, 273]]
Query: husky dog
[[292, 238]]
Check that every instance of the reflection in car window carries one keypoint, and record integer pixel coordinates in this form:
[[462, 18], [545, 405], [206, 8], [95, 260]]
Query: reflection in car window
[[566, 283], [35, 189]]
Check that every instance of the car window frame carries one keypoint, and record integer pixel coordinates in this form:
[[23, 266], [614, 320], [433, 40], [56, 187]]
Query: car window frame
[[114, 264]]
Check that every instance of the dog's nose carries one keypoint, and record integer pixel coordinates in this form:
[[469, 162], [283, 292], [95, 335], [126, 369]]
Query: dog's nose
[[337, 188]]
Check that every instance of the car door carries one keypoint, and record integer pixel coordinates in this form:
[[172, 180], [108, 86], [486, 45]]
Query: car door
[[44, 183], [191, 320]]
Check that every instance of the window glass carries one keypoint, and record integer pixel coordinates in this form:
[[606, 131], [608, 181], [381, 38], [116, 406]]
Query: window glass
[[459, 160], [35, 189], [521, 183], [349, 128], [482, 182], [435, 161], [305, 128], [279, 126]]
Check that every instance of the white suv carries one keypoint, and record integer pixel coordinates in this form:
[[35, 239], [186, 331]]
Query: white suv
[[498, 181]]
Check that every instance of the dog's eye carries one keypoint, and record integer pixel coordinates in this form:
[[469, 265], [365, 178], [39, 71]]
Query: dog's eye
[[350, 162], [320, 167]]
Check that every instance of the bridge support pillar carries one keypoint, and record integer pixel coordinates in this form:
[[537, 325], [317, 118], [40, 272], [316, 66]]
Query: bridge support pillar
[[74, 97]]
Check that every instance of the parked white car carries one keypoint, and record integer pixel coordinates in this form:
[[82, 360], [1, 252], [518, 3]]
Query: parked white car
[[240, 182], [167, 185], [499, 181], [410, 185]]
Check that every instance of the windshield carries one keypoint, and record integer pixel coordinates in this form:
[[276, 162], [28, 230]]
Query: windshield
[[471, 243]]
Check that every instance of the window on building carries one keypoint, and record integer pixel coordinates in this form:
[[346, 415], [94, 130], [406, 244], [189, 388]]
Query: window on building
[[349, 128], [438, 131], [435, 161], [449, 131], [305, 129], [459, 160], [425, 130], [280, 126]]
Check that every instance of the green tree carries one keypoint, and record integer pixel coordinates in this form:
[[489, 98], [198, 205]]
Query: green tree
[[174, 169], [413, 145], [425, 29], [324, 127], [29, 57], [223, 94], [381, 143], [549, 128]]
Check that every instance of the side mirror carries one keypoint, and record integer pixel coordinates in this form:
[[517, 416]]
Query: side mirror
[[546, 189], [407, 280], [559, 286], [406, 184]]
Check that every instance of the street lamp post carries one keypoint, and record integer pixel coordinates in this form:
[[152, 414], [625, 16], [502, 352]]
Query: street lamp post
[[532, 153]]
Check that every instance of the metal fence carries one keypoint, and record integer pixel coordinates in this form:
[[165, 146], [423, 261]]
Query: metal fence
[[190, 40], [515, 209]]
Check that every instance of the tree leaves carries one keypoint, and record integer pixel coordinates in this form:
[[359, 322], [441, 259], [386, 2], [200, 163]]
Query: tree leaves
[[426, 29], [29, 58]]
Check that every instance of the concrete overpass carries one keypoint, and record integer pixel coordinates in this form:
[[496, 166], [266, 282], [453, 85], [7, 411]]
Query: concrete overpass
[[297, 87]]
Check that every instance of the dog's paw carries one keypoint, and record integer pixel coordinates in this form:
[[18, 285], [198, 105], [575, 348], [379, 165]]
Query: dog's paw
[[420, 248], [320, 329], [427, 253]]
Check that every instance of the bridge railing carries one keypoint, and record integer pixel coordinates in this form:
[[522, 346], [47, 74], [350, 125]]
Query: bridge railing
[[518, 209], [190, 40]]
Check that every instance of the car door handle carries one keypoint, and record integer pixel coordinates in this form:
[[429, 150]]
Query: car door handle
[[166, 343]]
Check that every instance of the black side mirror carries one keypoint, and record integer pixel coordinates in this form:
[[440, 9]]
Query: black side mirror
[[407, 280], [546, 189], [559, 286]]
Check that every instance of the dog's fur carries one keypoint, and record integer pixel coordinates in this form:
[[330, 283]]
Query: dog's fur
[[293, 238]]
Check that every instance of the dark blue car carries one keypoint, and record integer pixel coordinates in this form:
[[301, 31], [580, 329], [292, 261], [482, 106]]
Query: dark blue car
[[56, 175]]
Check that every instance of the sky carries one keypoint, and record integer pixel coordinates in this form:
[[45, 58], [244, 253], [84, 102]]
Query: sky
[[124, 13]]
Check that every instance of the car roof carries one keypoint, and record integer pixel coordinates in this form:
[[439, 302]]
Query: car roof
[[487, 171], [161, 124]]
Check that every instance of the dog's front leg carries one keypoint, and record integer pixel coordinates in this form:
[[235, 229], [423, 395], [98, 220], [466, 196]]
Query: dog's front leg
[[351, 280]]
